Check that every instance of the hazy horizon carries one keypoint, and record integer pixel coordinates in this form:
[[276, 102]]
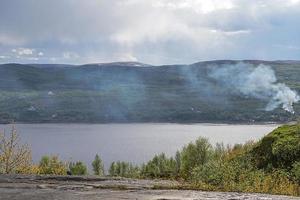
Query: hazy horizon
[[137, 62]]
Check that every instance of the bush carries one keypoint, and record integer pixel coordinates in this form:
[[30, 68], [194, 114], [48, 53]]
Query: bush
[[233, 170], [52, 165], [32, 169], [296, 171], [209, 173], [78, 168], [280, 148]]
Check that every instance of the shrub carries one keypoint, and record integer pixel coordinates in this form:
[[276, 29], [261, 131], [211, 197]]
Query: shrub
[[209, 173], [78, 168], [32, 169], [280, 148], [296, 171], [52, 165]]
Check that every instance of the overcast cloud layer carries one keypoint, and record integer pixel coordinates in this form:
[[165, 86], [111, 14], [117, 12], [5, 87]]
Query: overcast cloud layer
[[149, 31]]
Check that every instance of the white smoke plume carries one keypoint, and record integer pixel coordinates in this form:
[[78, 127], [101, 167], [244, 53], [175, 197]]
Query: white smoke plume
[[258, 82]]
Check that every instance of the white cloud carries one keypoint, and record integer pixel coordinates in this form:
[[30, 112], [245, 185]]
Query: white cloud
[[23, 54], [153, 31], [53, 59], [70, 55], [26, 51], [288, 47], [231, 33], [292, 2], [125, 57], [199, 6], [23, 51], [32, 58], [4, 57], [10, 40]]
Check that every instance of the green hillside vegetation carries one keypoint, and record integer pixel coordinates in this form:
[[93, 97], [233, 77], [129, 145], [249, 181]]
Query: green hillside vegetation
[[123, 92], [271, 165], [279, 149]]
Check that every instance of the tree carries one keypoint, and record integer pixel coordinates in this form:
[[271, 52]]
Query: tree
[[98, 166], [52, 165], [13, 155], [195, 154], [78, 168], [178, 162], [124, 169], [160, 167], [112, 169]]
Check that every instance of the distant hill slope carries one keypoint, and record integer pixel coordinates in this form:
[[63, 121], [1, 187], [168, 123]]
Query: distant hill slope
[[135, 92]]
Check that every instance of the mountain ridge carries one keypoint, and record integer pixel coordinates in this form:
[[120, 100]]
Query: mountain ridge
[[135, 63], [125, 92]]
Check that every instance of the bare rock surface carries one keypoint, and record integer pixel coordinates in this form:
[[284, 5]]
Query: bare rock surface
[[19, 187]]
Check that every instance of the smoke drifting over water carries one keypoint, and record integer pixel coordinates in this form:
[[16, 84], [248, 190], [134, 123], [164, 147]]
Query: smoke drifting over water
[[257, 82]]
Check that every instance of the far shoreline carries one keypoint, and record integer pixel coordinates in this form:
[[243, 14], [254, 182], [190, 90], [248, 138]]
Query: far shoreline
[[154, 123]]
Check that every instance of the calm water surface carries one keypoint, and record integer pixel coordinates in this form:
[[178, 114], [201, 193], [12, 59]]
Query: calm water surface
[[136, 143]]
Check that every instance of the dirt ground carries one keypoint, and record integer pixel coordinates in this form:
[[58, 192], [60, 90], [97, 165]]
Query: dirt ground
[[19, 187]]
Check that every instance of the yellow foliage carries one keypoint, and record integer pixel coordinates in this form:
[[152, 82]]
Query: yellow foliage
[[52, 165], [13, 154], [272, 183], [33, 169]]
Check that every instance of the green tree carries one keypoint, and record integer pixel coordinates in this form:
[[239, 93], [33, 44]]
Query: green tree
[[178, 162], [78, 168], [195, 154], [121, 169], [98, 166], [160, 167], [112, 169], [124, 169]]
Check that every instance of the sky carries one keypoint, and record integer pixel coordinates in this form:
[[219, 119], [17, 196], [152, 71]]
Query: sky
[[149, 31]]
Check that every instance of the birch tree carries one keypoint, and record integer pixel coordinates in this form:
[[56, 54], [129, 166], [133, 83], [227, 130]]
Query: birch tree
[[14, 156]]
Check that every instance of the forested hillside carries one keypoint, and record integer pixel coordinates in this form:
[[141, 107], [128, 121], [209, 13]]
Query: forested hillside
[[135, 92]]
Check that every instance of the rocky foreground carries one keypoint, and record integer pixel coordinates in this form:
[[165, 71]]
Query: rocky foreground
[[17, 187]]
